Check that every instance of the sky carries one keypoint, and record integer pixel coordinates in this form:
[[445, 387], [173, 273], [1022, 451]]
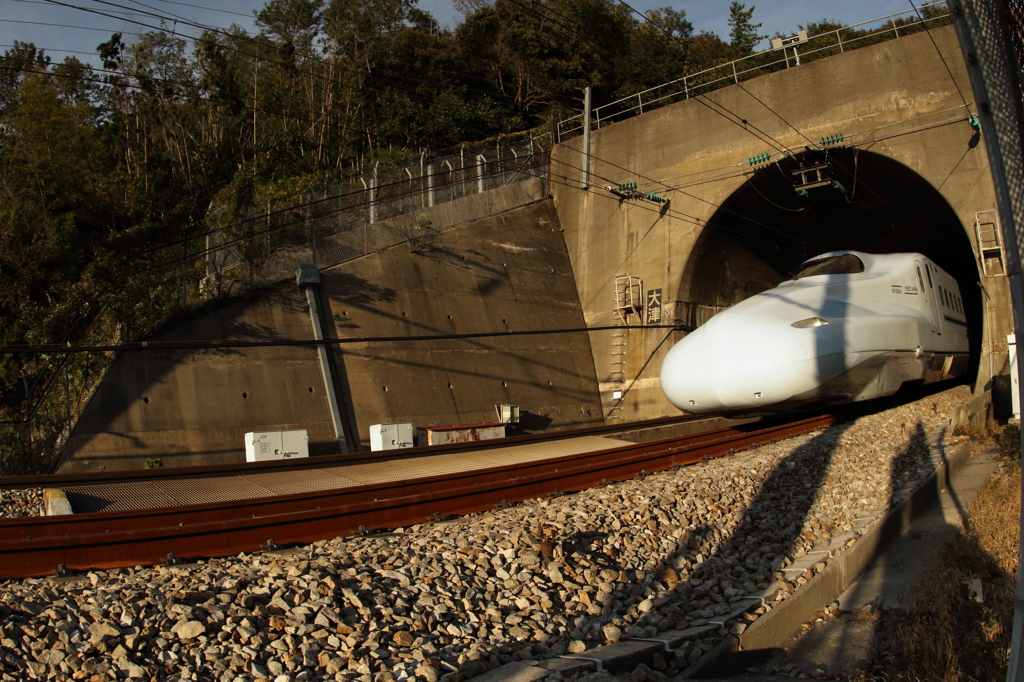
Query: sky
[[79, 32]]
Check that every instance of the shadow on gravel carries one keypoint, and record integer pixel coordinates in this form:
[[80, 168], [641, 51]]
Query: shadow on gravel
[[723, 564]]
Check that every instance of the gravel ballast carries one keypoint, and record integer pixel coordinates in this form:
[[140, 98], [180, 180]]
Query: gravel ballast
[[449, 601], [19, 504]]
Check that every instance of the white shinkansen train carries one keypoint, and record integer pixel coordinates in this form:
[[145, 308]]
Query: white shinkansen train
[[848, 326]]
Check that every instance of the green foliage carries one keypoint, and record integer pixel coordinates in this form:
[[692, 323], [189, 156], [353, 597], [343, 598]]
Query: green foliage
[[114, 185], [1009, 442], [744, 33], [154, 463]]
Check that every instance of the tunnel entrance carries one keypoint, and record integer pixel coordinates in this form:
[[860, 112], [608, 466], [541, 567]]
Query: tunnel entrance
[[877, 205]]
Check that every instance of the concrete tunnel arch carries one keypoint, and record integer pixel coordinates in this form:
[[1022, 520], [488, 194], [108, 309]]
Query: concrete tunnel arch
[[764, 229]]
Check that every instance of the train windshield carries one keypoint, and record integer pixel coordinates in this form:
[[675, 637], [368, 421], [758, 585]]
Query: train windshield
[[847, 264]]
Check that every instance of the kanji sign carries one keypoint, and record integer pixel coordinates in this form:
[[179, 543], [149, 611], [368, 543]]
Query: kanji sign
[[654, 306]]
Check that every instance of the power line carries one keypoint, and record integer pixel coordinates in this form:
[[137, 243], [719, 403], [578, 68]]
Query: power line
[[203, 7], [56, 349], [939, 52], [245, 37], [687, 194], [99, 81], [550, 177]]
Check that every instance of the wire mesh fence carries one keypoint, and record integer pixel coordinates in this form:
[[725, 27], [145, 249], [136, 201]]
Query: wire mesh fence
[[345, 220]]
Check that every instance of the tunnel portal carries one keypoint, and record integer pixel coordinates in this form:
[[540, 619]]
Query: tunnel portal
[[874, 204]]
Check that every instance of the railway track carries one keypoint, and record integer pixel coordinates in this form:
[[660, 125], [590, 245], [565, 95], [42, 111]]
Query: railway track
[[40, 545]]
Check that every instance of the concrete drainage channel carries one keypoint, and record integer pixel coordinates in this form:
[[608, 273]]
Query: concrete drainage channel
[[774, 615]]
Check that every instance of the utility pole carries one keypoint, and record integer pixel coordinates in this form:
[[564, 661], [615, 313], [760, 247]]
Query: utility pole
[[995, 73], [307, 277], [586, 138]]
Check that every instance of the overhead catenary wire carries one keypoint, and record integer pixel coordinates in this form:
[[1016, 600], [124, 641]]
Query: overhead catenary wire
[[938, 51], [100, 81], [687, 194], [245, 37], [263, 44], [105, 2], [560, 180], [57, 349], [171, 2]]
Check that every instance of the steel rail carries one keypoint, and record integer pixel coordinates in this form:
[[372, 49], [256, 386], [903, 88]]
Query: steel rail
[[38, 545]]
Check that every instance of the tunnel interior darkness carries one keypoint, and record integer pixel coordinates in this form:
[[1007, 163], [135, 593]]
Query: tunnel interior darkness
[[765, 229]]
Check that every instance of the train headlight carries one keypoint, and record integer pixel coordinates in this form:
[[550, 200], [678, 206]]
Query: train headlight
[[810, 322]]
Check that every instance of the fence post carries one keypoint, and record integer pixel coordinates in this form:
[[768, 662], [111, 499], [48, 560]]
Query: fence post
[[67, 393], [424, 200], [480, 159], [451, 181], [735, 78], [309, 226], [839, 35], [640, 102], [367, 216], [373, 194], [430, 185], [252, 246]]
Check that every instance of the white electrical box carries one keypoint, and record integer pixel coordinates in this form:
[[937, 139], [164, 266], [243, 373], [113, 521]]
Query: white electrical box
[[263, 446], [507, 414], [391, 436]]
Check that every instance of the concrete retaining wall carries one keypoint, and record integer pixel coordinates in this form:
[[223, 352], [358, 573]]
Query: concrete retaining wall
[[509, 272]]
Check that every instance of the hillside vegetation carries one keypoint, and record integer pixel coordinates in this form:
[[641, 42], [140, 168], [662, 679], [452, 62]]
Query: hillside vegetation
[[105, 173]]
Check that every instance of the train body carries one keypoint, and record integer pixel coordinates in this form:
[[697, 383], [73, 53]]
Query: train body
[[848, 326]]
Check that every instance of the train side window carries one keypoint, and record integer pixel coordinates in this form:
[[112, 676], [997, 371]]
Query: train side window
[[920, 281], [928, 271]]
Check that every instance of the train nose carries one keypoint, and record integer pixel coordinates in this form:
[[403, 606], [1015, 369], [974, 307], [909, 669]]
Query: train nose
[[731, 363]]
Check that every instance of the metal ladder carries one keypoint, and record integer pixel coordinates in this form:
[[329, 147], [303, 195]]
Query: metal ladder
[[990, 241], [628, 296]]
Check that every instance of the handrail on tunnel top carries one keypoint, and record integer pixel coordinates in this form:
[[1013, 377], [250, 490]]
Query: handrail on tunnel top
[[694, 84]]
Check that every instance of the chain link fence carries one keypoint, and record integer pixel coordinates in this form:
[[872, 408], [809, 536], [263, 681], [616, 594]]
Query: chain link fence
[[346, 220]]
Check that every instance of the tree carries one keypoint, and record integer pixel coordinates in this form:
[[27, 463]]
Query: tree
[[14, 64], [744, 34], [293, 22]]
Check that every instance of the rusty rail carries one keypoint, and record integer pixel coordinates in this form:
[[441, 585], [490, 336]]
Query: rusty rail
[[36, 546]]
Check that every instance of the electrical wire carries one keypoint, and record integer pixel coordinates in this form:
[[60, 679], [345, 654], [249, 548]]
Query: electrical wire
[[57, 349], [684, 193], [99, 81], [176, 19], [204, 7], [106, 2], [561, 181], [750, 181], [939, 52]]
